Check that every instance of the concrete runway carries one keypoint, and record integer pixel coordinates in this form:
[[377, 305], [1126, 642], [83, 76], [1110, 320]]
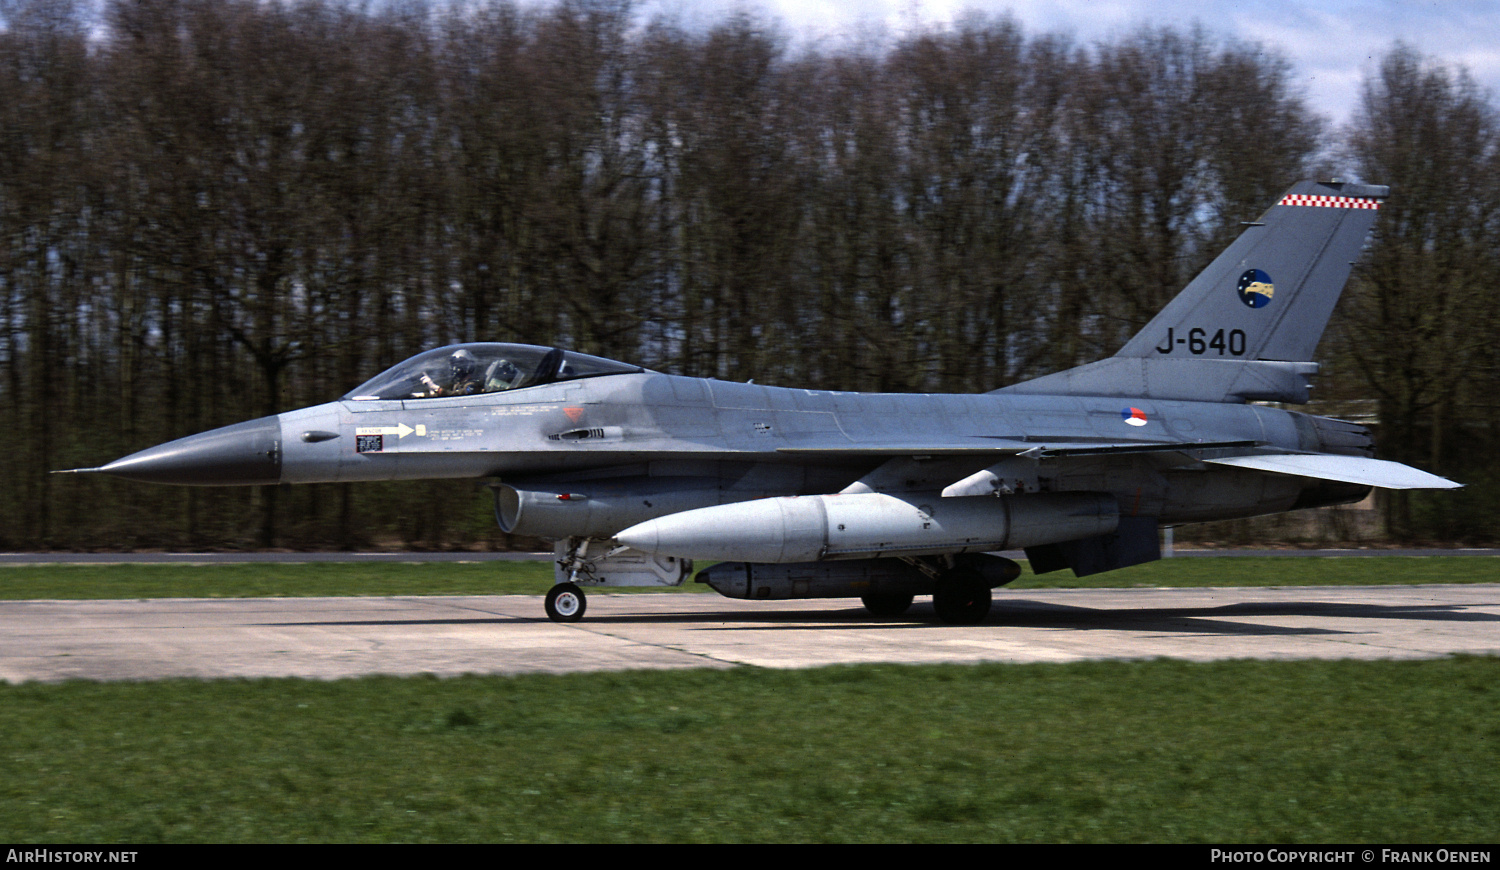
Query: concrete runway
[[329, 638]]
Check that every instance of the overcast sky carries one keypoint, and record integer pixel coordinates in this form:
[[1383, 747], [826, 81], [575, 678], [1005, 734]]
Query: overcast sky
[[1332, 44]]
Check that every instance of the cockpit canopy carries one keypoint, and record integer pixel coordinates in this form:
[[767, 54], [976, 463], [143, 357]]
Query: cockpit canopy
[[471, 369]]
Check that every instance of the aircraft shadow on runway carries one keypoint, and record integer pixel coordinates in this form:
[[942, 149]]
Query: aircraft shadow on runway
[[1015, 613]]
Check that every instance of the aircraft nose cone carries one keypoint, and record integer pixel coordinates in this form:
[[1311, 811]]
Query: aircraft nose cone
[[245, 453]]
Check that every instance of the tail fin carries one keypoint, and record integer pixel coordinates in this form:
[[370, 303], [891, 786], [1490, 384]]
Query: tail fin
[[1245, 328]]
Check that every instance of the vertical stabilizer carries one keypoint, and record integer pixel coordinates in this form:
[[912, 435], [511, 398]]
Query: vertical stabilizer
[[1246, 327], [1272, 291]]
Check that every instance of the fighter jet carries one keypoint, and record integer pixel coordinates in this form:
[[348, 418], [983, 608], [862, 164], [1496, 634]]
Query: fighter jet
[[801, 493]]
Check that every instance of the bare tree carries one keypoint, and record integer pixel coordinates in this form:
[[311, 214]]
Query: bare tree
[[211, 209], [1420, 319]]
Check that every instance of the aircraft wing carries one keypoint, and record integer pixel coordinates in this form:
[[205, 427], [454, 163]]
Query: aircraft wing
[[1346, 469], [1321, 466]]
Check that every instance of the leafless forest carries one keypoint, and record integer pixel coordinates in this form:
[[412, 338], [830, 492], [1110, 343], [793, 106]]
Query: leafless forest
[[212, 210]]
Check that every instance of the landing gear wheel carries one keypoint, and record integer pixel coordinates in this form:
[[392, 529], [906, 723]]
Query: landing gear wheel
[[886, 605], [962, 597], [565, 603]]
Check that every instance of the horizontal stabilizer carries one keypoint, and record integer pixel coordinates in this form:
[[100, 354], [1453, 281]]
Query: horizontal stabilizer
[[1346, 469]]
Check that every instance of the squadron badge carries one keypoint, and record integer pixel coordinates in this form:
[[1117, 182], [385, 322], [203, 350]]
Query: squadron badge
[[1256, 289]]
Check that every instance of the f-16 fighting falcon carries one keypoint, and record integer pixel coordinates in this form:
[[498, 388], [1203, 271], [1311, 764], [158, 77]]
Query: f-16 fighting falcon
[[816, 494]]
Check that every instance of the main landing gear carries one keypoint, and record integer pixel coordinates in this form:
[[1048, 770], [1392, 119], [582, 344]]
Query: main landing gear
[[961, 597], [960, 587]]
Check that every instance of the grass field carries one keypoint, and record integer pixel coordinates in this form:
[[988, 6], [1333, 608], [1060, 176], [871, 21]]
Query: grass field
[[533, 578], [1229, 752]]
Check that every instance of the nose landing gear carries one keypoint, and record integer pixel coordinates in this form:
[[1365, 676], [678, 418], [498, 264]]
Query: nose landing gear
[[611, 565]]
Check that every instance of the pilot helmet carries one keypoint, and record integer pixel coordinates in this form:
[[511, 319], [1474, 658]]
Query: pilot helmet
[[463, 365]]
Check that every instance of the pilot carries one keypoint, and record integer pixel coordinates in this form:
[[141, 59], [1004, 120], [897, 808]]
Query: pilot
[[463, 369], [502, 375]]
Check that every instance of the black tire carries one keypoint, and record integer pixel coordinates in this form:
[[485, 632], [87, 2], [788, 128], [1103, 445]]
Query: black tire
[[962, 597], [566, 603], [886, 605]]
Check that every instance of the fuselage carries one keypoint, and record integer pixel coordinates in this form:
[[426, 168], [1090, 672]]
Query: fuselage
[[647, 425], [581, 446]]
